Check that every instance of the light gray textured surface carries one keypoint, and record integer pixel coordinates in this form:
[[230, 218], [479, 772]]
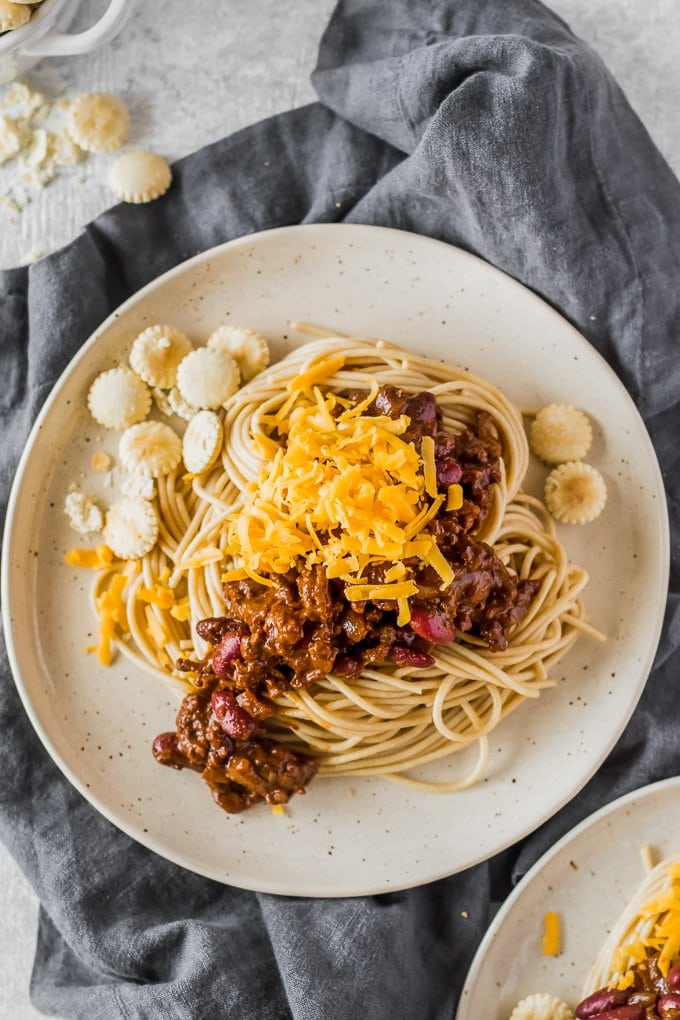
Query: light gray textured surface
[[202, 71]]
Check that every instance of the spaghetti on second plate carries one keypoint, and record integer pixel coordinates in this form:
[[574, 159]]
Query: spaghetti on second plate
[[642, 951], [245, 522]]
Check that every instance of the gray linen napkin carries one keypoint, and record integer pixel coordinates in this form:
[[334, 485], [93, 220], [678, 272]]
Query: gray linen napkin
[[485, 124]]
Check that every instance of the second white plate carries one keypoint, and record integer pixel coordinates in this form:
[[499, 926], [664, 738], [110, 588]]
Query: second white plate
[[587, 878]]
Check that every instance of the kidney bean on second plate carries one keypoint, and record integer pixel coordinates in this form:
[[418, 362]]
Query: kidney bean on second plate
[[599, 1001]]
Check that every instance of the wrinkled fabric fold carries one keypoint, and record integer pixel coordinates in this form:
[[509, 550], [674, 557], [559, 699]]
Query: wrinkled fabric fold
[[487, 125]]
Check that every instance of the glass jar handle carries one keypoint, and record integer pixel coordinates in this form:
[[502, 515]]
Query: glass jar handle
[[64, 44]]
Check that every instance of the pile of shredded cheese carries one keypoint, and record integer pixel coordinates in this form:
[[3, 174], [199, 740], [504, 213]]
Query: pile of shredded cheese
[[662, 917], [341, 488]]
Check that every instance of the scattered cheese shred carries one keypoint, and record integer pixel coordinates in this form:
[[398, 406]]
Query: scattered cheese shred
[[158, 635], [429, 466], [362, 592], [111, 610], [163, 598], [181, 610], [202, 558], [404, 614], [93, 559], [322, 370], [626, 981], [551, 934], [235, 574], [278, 809], [438, 562], [454, 499]]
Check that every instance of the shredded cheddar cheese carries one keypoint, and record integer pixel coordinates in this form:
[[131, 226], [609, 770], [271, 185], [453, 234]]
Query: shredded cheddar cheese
[[163, 598], [343, 489], [93, 559], [181, 610], [626, 981], [664, 937], [551, 934], [362, 592], [155, 629], [112, 613], [201, 559], [322, 370], [454, 499], [429, 466]]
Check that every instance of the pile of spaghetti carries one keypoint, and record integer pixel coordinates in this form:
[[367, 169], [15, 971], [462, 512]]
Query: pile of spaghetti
[[637, 971], [359, 586]]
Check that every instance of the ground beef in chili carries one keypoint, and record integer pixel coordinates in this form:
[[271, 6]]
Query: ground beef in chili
[[294, 632]]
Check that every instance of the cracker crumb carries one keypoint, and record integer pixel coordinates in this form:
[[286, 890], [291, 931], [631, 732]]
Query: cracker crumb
[[34, 142], [100, 461], [31, 256], [83, 514]]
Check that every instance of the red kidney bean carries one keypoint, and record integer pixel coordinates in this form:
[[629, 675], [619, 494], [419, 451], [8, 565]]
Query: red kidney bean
[[667, 1003], [599, 1001], [233, 719], [228, 649], [410, 657], [345, 665], [166, 751], [214, 628], [673, 978], [449, 471], [623, 1013], [433, 625], [422, 407]]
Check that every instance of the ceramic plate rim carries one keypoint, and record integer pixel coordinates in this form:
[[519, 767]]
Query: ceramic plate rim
[[662, 537]]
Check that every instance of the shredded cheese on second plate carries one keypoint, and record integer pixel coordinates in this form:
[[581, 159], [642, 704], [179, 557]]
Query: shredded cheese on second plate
[[664, 937]]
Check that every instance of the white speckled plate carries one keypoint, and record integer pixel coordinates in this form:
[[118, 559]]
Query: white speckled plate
[[98, 723], [587, 878]]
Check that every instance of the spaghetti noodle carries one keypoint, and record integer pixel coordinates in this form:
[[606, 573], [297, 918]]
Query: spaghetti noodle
[[388, 719], [649, 925]]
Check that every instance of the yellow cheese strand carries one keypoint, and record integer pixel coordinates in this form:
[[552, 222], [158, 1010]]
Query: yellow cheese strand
[[344, 491]]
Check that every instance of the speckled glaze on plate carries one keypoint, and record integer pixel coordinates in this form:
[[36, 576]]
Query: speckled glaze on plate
[[588, 878], [345, 837]]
